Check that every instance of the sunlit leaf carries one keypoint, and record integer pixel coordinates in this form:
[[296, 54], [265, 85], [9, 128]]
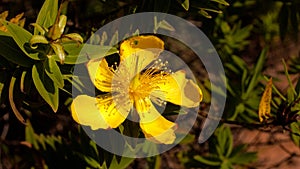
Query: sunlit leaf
[[223, 2], [53, 71], [40, 29], [84, 52], [72, 37], [36, 39], [59, 51], [204, 13], [47, 14], [21, 37], [62, 23]]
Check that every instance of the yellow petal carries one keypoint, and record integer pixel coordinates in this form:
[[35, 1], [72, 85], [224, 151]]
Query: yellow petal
[[175, 88], [85, 111], [100, 74], [134, 64], [142, 105], [265, 102], [156, 128], [136, 43], [97, 112]]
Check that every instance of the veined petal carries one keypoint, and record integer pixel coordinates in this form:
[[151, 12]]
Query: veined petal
[[100, 74], [156, 128], [85, 111], [136, 43], [142, 105], [97, 113], [135, 63], [175, 88]]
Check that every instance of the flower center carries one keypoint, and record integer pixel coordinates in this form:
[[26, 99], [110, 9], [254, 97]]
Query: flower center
[[150, 79]]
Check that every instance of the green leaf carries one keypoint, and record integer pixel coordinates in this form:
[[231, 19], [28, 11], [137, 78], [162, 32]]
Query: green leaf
[[21, 37], [47, 14], [115, 39], [204, 13], [62, 23], [59, 51], [11, 51], [37, 39], [295, 127], [165, 25], [122, 164], [103, 38], [223, 2], [226, 165], [89, 160], [84, 52], [30, 135], [244, 158], [40, 29], [54, 73], [208, 161], [257, 72], [189, 138], [72, 37], [3, 78], [45, 86], [291, 86], [185, 4]]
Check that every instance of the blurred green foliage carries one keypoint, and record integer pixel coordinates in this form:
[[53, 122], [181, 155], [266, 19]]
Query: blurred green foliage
[[36, 80]]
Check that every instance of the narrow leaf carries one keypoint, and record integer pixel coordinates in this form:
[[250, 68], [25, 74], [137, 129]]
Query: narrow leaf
[[115, 39], [30, 135], [207, 161], [223, 2], [257, 71], [122, 164], [11, 100], [185, 4], [165, 25]]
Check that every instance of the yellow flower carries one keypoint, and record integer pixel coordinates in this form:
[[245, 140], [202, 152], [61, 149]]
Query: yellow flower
[[133, 85]]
